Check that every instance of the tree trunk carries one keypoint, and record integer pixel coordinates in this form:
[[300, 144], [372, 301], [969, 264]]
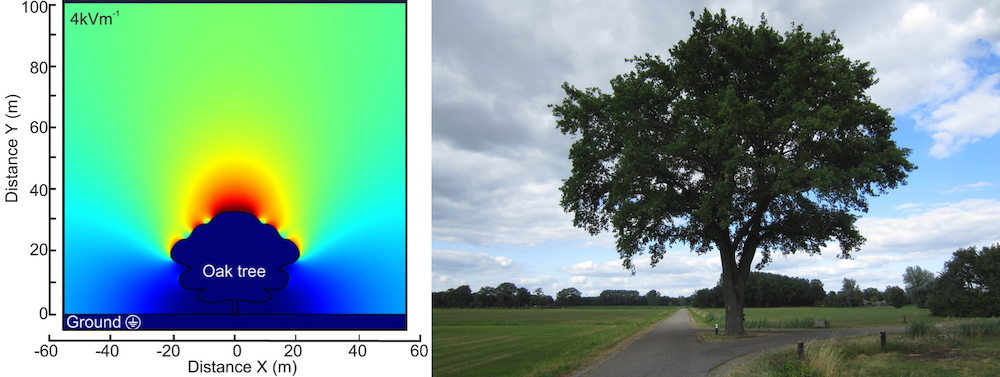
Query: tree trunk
[[734, 284], [733, 291]]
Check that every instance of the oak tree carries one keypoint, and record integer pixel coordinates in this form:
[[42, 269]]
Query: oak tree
[[744, 141]]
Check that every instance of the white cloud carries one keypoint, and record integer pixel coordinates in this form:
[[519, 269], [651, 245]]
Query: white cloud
[[923, 62], [469, 262], [910, 207], [971, 117], [969, 187], [943, 229], [440, 282], [673, 262], [679, 273], [533, 282], [921, 58], [481, 198], [589, 268]]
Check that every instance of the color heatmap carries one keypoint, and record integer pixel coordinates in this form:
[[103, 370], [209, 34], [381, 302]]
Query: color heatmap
[[294, 113]]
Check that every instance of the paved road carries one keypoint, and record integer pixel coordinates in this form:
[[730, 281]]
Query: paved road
[[672, 349]]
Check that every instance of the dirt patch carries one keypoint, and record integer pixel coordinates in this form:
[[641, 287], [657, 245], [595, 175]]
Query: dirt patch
[[940, 354], [710, 337]]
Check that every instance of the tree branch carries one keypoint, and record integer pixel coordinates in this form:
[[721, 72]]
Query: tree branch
[[753, 225]]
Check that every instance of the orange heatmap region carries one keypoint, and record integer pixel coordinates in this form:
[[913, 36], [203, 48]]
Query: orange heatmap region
[[234, 186]]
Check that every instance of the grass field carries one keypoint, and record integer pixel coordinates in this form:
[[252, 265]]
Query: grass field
[[963, 348], [835, 317], [531, 342]]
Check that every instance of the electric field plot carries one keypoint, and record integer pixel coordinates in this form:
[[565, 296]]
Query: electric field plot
[[235, 166]]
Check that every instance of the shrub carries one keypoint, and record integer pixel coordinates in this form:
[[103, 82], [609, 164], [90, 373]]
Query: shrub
[[922, 329]]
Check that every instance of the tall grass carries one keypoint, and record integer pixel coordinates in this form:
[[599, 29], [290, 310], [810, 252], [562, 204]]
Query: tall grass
[[824, 359], [827, 358], [864, 355], [975, 328], [793, 323], [711, 317], [701, 316], [922, 329]]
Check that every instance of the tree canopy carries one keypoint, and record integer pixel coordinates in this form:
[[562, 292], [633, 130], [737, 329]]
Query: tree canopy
[[568, 296], [610, 297], [896, 296], [743, 140], [919, 283], [969, 286], [851, 292]]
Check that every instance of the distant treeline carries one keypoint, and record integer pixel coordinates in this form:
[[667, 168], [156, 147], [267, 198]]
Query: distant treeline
[[508, 295], [772, 290], [969, 286], [763, 290], [766, 290]]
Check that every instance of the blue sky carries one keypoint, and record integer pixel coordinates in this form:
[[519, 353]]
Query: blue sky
[[498, 159]]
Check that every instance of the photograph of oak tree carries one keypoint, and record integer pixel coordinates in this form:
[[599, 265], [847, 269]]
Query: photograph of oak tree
[[745, 140]]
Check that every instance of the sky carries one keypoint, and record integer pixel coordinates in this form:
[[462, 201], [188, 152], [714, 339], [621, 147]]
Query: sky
[[498, 160]]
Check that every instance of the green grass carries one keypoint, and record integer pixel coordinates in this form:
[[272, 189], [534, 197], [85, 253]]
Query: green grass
[[704, 319], [531, 342], [701, 318], [801, 317], [958, 348]]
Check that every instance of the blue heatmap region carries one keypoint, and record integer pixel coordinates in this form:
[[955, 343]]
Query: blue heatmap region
[[121, 274]]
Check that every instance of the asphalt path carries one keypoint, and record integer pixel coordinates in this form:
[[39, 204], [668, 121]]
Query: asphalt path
[[673, 349]]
